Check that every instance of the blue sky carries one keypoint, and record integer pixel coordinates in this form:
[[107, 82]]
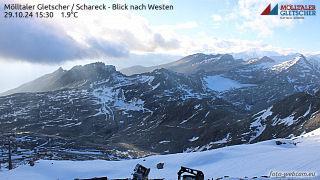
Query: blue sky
[[30, 48], [300, 35]]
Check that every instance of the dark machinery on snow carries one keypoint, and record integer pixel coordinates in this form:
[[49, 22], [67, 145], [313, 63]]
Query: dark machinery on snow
[[193, 174], [140, 172], [160, 165]]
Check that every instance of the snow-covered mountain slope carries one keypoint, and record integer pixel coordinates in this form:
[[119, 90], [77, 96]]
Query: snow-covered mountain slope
[[296, 114], [298, 73], [284, 58], [315, 64], [135, 112], [286, 156], [253, 71], [315, 57], [273, 82], [298, 62]]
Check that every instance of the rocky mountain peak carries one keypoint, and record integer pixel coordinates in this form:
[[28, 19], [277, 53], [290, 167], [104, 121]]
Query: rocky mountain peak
[[264, 59], [298, 62], [227, 57], [301, 60], [59, 69], [93, 67]]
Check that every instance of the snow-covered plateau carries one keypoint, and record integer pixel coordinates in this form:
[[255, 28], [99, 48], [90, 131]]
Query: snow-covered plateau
[[262, 160], [218, 83]]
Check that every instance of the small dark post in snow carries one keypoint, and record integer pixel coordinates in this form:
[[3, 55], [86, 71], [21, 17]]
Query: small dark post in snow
[[10, 161], [7, 138]]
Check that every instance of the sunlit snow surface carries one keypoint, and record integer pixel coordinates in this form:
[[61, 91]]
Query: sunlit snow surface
[[218, 83], [239, 161]]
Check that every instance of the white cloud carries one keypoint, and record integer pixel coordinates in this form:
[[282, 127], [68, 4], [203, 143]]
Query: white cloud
[[187, 25], [248, 17], [201, 34], [216, 17], [105, 34]]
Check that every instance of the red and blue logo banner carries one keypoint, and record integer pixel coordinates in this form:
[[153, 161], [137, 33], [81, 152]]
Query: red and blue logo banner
[[268, 11], [291, 11]]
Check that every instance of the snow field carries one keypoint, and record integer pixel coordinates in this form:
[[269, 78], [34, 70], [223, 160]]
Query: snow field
[[218, 83], [253, 160]]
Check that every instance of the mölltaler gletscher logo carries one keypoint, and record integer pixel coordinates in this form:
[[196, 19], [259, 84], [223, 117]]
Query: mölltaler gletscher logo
[[291, 11], [268, 11]]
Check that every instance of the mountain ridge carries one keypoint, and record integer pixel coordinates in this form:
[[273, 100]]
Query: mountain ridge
[[192, 64], [64, 79]]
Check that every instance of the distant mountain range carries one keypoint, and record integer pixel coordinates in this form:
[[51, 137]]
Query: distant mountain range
[[192, 64], [189, 64], [197, 103]]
